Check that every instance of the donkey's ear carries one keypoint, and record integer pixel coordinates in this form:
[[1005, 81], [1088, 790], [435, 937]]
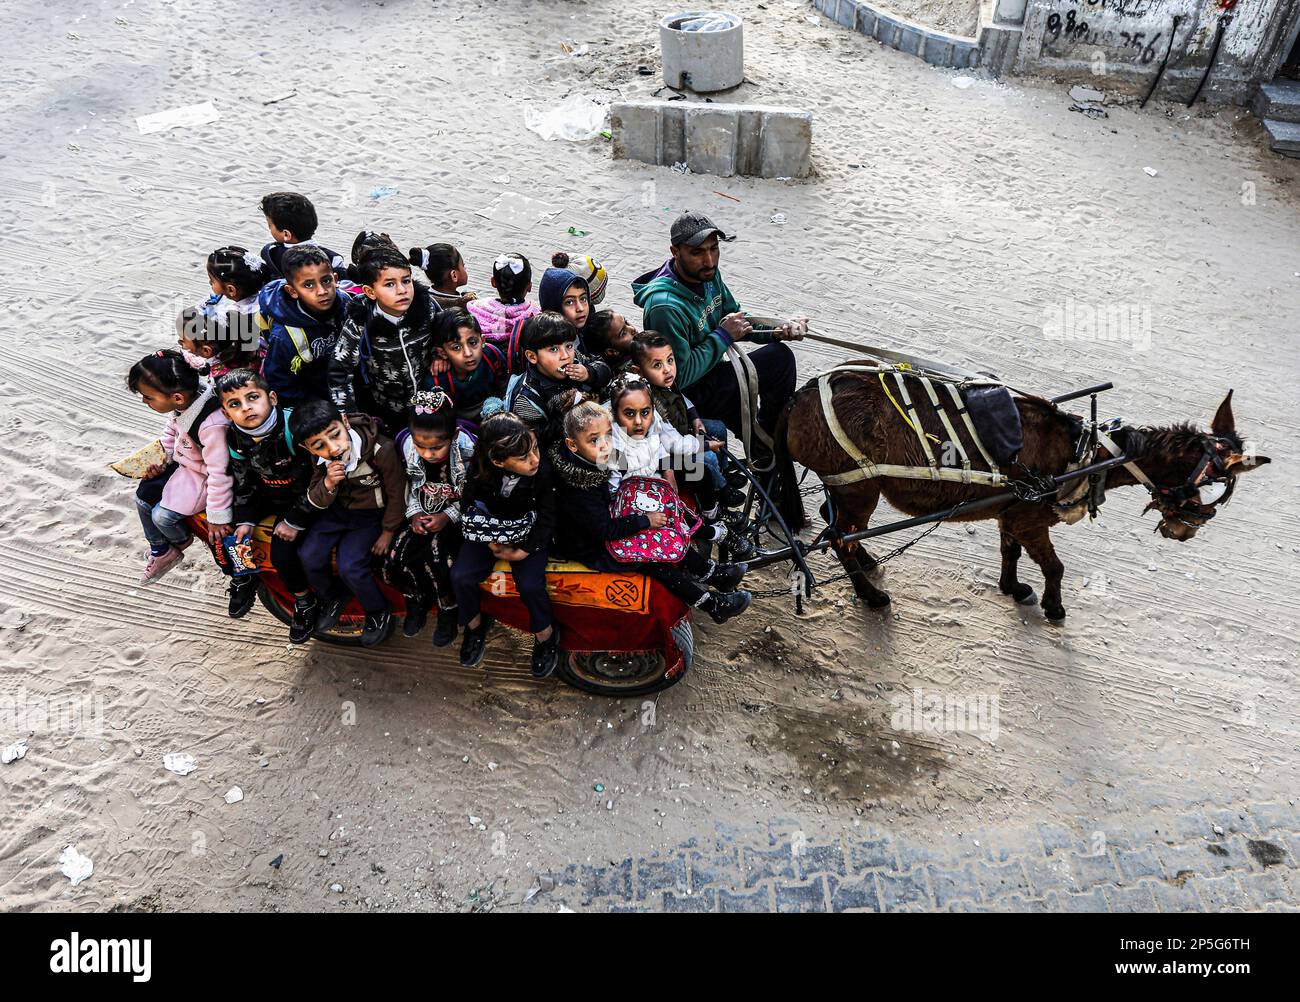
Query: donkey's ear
[[1224, 423]]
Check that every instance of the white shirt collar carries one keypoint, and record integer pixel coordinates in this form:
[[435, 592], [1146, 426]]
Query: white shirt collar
[[395, 321]]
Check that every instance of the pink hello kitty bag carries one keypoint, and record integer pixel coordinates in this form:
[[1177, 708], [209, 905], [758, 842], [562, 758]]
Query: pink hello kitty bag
[[641, 496]]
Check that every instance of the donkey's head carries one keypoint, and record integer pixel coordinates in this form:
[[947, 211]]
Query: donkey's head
[[1193, 472]]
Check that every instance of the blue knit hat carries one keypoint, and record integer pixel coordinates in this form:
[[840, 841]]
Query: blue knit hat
[[555, 283]]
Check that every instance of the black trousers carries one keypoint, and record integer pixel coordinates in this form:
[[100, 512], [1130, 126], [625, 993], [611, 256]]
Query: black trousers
[[681, 578], [716, 394], [285, 560], [473, 565]]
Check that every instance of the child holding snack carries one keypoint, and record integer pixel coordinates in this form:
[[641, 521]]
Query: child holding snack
[[447, 273], [359, 490], [553, 367], [271, 476], [580, 461], [512, 277], [419, 561], [507, 513], [196, 475]]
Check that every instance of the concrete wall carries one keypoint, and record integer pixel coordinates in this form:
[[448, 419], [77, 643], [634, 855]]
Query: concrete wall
[[1118, 45]]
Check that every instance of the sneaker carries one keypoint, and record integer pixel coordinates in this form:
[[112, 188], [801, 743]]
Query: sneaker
[[331, 610], [376, 627], [159, 564], [729, 605], [305, 609], [725, 577], [416, 616], [737, 548], [243, 593], [736, 479], [546, 654], [445, 632], [474, 645]]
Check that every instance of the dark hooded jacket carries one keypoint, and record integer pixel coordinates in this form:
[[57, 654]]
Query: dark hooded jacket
[[391, 360], [299, 344], [271, 475], [377, 484], [582, 493]]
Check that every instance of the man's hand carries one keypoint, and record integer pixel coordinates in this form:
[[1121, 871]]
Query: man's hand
[[794, 330], [283, 530], [334, 474], [700, 431], [657, 519], [382, 544], [714, 444], [216, 533], [737, 326]]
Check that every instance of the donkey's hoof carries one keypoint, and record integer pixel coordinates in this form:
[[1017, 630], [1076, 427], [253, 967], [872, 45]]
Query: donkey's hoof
[[1055, 616], [1022, 593], [880, 601]]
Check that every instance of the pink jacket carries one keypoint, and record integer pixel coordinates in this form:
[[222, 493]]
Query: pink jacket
[[497, 318], [202, 478]]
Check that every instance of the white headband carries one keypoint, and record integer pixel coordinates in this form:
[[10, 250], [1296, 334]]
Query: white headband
[[424, 258]]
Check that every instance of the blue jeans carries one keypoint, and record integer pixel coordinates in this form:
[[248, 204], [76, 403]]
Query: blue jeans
[[714, 428], [163, 527], [354, 532]]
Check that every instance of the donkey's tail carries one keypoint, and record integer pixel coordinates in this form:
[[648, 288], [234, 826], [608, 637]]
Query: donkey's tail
[[784, 486]]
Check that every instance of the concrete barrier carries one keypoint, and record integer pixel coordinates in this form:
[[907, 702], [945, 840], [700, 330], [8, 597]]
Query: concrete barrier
[[722, 139], [703, 61]]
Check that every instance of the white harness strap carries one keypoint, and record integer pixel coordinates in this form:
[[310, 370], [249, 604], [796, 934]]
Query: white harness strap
[[960, 404], [953, 437], [747, 382], [1104, 440], [916, 425]]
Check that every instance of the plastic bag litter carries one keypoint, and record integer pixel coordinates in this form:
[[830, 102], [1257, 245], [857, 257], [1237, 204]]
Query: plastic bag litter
[[234, 795], [192, 114], [74, 865], [181, 763], [14, 752], [576, 118], [519, 211], [707, 22]]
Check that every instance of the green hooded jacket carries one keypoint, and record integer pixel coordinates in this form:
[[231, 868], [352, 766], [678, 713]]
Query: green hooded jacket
[[690, 320]]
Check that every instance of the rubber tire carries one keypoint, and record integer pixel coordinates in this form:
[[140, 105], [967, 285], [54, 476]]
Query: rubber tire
[[267, 598], [683, 636]]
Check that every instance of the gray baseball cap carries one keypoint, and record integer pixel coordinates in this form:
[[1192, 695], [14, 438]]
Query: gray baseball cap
[[693, 228]]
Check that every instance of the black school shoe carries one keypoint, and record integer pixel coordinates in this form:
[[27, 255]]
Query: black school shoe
[[731, 497], [243, 593], [474, 644], [331, 610], [728, 606], [305, 612], [414, 620], [725, 577], [737, 548], [375, 629], [445, 632], [546, 654]]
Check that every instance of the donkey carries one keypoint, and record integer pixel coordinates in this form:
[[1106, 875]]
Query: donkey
[[1191, 473]]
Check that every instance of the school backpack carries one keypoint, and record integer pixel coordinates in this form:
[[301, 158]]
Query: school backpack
[[641, 496]]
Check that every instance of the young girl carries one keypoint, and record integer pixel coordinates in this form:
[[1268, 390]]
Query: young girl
[[586, 268], [419, 562], [507, 513], [447, 273], [645, 446], [563, 292], [381, 357], [196, 475], [512, 277], [580, 460], [210, 347], [236, 276], [475, 371]]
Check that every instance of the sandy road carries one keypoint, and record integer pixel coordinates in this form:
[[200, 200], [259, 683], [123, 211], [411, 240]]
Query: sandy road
[[945, 220]]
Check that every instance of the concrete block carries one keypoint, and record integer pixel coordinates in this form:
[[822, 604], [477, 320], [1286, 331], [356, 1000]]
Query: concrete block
[[846, 13], [786, 145], [866, 21], [826, 7], [909, 39], [722, 139], [711, 140], [887, 29], [938, 50]]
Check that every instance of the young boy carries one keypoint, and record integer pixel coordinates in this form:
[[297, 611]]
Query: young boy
[[306, 310], [359, 490], [291, 218], [608, 337], [652, 356], [271, 478], [553, 367], [475, 370]]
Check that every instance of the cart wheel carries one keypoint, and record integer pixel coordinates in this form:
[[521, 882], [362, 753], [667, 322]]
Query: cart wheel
[[345, 633], [606, 673]]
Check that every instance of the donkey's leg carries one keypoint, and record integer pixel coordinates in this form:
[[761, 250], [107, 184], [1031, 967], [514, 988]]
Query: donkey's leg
[[1009, 582], [1038, 541], [853, 511]]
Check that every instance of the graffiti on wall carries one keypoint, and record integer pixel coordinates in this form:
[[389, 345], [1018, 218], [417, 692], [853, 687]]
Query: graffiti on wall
[[1132, 30]]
